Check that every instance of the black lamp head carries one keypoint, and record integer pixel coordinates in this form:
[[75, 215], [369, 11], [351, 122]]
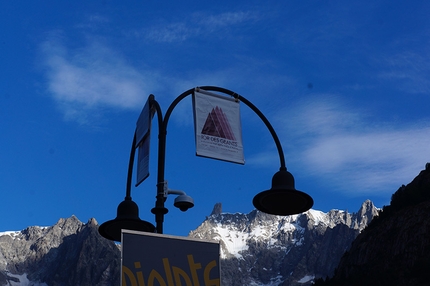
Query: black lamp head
[[127, 218], [283, 198]]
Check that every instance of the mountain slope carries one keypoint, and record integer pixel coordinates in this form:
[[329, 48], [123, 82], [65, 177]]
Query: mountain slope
[[262, 249], [257, 249], [68, 253], [394, 249]]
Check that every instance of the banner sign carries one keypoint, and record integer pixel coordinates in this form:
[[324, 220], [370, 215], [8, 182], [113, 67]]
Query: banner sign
[[150, 259], [143, 128], [143, 160], [217, 127]]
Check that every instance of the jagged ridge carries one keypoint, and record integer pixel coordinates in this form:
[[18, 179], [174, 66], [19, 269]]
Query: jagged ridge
[[67, 253], [262, 249], [257, 249]]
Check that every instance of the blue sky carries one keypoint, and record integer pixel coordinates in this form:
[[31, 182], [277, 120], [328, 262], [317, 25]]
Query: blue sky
[[345, 85]]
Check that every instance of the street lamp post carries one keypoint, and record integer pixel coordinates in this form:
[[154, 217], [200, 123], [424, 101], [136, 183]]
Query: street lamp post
[[281, 199]]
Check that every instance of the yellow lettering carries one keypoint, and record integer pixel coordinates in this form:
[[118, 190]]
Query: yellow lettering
[[168, 272], [155, 275], [127, 272], [208, 268], [139, 274], [193, 269], [178, 273], [174, 276]]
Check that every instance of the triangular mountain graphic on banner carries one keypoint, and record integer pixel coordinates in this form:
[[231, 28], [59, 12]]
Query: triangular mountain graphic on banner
[[217, 125]]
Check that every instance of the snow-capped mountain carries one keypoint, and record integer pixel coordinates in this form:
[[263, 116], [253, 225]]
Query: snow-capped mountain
[[262, 249], [257, 249], [67, 253]]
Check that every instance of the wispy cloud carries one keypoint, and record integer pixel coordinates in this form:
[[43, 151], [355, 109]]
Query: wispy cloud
[[177, 32], [409, 70], [348, 151], [94, 76], [195, 26], [93, 22], [214, 22]]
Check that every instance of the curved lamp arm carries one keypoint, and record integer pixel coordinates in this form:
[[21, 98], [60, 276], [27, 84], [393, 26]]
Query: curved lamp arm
[[240, 98], [281, 199], [282, 179]]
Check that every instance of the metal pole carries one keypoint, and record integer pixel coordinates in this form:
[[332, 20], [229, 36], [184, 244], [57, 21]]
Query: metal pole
[[159, 210]]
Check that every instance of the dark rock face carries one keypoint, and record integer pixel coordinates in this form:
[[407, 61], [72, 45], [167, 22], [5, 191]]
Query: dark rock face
[[262, 249], [394, 249], [68, 253], [217, 209]]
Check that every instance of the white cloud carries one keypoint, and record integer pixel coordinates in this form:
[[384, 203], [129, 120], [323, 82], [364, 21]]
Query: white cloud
[[324, 115], [83, 80], [196, 25], [351, 153], [214, 22], [409, 70], [177, 32]]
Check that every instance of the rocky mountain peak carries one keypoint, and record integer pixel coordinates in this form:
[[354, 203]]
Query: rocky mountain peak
[[365, 214], [92, 222], [366, 208], [217, 209], [67, 253], [256, 248], [290, 250]]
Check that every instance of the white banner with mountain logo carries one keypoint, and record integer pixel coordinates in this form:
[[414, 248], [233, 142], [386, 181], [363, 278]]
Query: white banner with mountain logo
[[217, 127]]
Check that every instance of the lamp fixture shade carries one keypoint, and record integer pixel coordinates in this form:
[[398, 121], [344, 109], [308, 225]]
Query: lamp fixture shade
[[127, 218], [283, 198]]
